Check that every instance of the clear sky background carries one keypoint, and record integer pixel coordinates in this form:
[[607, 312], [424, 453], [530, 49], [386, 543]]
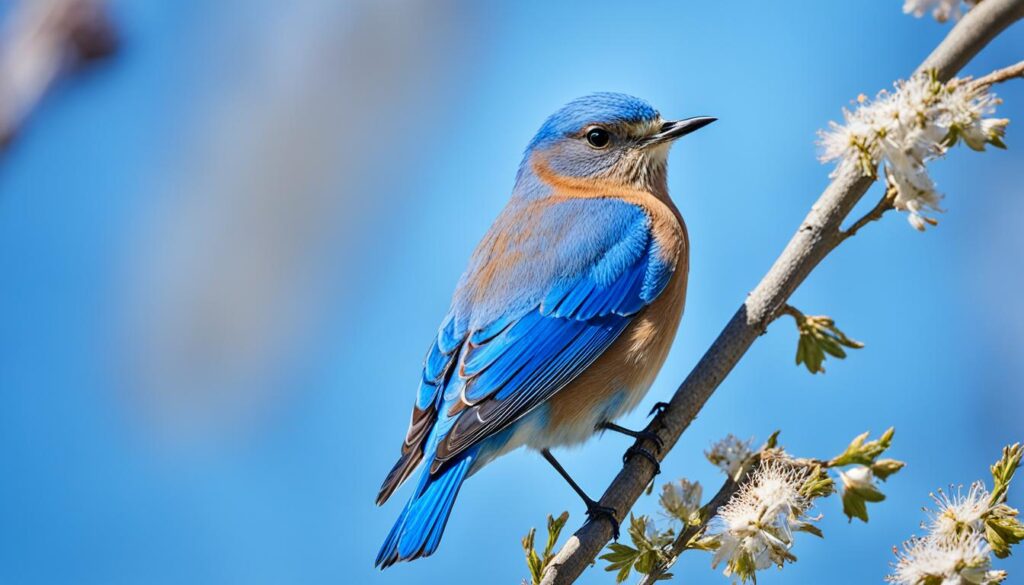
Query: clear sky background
[[153, 169]]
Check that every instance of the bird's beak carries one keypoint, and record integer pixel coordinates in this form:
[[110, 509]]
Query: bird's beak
[[672, 130]]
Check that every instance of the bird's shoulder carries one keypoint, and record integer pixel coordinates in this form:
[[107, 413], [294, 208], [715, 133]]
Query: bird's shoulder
[[536, 244]]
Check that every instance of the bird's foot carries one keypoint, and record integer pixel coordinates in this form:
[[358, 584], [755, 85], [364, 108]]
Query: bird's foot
[[596, 511], [637, 450], [643, 435], [658, 408], [653, 437]]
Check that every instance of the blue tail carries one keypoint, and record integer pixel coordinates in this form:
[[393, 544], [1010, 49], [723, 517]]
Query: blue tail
[[418, 530]]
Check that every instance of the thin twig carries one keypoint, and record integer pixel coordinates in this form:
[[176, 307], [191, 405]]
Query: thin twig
[[792, 311], [884, 204], [816, 237], [1000, 75]]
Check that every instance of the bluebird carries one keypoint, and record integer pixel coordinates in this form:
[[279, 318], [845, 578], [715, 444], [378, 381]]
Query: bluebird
[[563, 317]]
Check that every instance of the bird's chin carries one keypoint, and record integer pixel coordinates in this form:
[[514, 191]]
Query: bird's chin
[[658, 153]]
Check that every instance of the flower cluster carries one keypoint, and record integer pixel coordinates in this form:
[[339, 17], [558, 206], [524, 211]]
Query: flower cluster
[[755, 529], [961, 560], [964, 531], [942, 10], [729, 454], [904, 129], [960, 513]]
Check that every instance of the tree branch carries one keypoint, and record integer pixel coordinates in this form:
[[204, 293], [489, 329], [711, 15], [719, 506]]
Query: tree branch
[[1001, 75], [42, 41], [884, 204], [818, 235]]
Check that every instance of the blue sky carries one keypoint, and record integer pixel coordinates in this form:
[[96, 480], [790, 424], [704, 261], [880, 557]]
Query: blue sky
[[93, 490]]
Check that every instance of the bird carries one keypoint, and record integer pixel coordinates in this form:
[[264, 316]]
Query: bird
[[563, 317]]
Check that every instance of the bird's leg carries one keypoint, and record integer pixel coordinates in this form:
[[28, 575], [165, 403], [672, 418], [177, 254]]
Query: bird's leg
[[647, 435], [594, 508], [637, 449]]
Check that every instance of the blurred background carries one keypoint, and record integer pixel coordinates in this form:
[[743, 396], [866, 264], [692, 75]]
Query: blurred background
[[228, 231]]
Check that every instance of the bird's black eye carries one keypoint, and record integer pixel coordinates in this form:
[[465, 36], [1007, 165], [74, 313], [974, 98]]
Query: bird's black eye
[[598, 137]]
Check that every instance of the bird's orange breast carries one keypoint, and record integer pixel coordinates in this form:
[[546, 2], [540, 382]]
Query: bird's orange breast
[[620, 378]]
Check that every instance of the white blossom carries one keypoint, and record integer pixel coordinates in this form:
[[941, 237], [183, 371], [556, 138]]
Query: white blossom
[[729, 454], [960, 513], [755, 529], [859, 477], [942, 10], [904, 129], [962, 560]]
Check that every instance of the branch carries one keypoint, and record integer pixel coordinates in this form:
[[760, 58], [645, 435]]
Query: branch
[[42, 41], [1001, 75], [884, 204], [818, 235]]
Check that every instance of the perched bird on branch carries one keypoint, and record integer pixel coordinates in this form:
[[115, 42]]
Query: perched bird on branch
[[562, 319]]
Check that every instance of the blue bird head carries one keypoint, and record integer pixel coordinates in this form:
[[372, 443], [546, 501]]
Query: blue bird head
[[613, 136]]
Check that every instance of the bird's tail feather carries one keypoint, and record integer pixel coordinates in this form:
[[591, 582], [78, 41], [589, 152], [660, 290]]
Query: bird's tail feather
[[418, 530], [406, 464]]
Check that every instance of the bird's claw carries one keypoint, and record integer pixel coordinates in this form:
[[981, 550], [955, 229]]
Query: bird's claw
[[658, 408], [653, 437], [596, 511], [636, 450]]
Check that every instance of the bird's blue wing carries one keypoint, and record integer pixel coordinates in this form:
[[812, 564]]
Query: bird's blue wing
[[508, 367], [517, 335], [437, 370]]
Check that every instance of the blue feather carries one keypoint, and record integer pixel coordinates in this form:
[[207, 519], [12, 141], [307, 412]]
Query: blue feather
[[658, 274], [514, 338], [510, 367], [604, 107], [435, 364], [419, 527], [448, 339], [479, 358], [571, 240]]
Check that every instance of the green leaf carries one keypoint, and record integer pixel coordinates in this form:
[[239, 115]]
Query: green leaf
[[883, 468], [868, 493], [1003, 529], [809, 528], [818, 484], [819, 336], [534, 562], [854, 506], [638, 531], [555, 526], [861, 453], [621, 559], [1003, 470]]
